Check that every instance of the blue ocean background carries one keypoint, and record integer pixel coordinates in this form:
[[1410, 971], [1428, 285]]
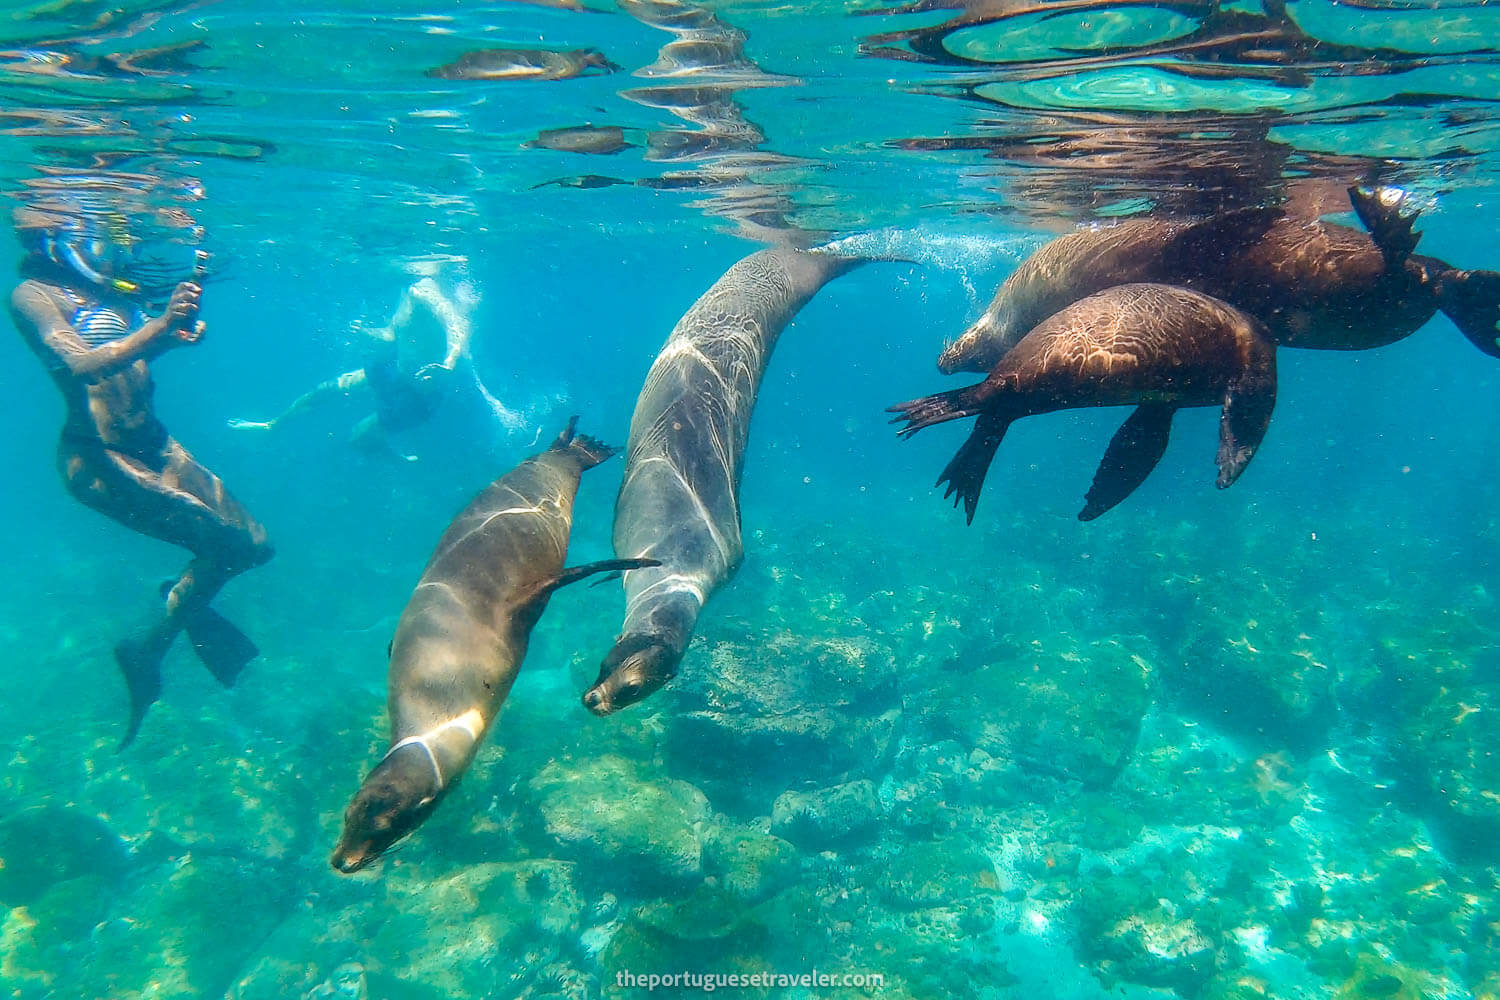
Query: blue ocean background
[[1216, 744]]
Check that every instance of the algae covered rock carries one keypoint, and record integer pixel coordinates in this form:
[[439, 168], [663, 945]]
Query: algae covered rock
[[1070, 713], [751, 865], [766, 707], [603, 811], [825, 817], [200, 919], [935, 873]]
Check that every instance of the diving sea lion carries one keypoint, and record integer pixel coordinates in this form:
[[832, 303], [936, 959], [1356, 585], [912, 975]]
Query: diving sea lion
[[1159, 347], [1091, 260], [679, 501], [462, 637], [523, 64], [1313, 284]]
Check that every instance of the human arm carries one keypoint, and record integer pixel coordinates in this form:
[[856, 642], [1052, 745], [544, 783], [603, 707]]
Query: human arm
[[38, 316]]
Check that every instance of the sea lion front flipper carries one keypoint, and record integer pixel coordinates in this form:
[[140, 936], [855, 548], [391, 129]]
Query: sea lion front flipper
[[221, 647], [1248, 403], [140, 662], [965, 474], [1471, 299], [1392, 232], [573, 574], [1133, 452]]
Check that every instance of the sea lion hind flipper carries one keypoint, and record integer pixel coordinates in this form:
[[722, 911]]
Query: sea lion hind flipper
[[965, 474], [589, 451], [1133, 452], [1394, 233], [140, 662], [929, 410], [1242, 426], [1471, 299], [220, 645]]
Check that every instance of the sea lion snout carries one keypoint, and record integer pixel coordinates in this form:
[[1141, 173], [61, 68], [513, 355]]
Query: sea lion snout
[[394, 800], [636, 667]]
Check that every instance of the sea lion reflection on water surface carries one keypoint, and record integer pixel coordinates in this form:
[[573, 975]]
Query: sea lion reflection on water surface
[[679, 502], [462, 637], [523, 64]]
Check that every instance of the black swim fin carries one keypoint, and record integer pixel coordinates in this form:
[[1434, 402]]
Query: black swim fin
[[1394, 233], [1133, 452], [221, 647], [140, 662]]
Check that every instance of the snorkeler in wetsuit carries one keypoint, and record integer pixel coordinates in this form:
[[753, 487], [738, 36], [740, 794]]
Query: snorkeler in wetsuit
[[405, 389], [83, 316]]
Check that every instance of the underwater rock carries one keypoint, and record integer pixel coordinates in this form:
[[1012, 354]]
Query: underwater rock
[[603, 812], [1072, 714], [188, 930], [44, 845], [753, 712], [934, 874], [826, 817], [751, 865], [1246, 660]]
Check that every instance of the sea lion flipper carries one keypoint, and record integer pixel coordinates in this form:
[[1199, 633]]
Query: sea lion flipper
[[1242, 424], [140, 662], [1394, 233], [589, 451], [575, 573], [220, 646], [1471, 299], [1133, 452], [965, 474]]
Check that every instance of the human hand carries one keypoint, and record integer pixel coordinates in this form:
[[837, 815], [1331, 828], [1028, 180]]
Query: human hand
[[181, 316]]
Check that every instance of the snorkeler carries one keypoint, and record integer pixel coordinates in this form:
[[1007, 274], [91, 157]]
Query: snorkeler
[[82, 307], [405, 387]]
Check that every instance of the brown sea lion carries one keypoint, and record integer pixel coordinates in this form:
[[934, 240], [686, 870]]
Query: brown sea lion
[[1091, 260], [462, 637], [1159, 347], [523, 64], [1313, 284]]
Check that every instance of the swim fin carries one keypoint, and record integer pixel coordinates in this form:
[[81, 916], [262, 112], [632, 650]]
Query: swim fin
[[221, 647], [140, 662]]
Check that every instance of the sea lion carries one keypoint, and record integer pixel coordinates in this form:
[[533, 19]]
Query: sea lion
[[1159, 347], [523, 64], [598, 140], [1313, 284], [462, 637], [1324, 286], [679, 502]]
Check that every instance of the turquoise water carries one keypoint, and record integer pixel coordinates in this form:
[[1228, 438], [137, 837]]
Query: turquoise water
[[1216, 744]]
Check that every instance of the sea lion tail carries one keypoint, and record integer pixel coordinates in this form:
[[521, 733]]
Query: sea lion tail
[[589, 451], [944, 406], [1471, 299], [965, 474], [1394, 233]]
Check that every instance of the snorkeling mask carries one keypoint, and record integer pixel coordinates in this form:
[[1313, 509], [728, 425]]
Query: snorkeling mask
[[118, 261]]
